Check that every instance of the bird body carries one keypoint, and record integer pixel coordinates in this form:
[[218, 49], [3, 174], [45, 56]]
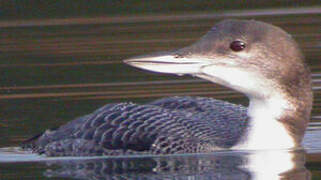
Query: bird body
[[165, 126]]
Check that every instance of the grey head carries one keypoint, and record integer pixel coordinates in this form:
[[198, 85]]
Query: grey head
[[255, 58]]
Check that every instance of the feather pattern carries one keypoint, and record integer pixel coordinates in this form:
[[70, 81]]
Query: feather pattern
[[165, 126]]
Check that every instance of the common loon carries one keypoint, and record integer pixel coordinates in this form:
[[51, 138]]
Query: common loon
[[255, 58]]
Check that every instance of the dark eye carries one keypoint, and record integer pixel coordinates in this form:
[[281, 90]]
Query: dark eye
[[237, 46]]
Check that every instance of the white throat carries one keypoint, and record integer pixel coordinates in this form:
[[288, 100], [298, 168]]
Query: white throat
[[265, 130]]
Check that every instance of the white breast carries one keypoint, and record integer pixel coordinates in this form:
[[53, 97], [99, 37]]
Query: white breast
[[265, 131]]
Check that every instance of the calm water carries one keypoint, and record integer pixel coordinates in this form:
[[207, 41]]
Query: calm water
[[55, 70]]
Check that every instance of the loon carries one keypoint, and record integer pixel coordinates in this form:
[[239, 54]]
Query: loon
[[257, 59]]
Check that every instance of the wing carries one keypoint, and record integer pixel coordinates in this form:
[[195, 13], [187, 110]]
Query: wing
[[219, 122], [118, 129], [169, 125]]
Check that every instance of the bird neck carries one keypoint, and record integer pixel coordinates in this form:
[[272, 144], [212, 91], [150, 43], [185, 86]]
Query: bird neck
[[276, 122]]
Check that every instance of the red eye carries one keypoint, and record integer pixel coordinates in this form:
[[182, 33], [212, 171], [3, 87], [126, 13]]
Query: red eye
[[237, 46]]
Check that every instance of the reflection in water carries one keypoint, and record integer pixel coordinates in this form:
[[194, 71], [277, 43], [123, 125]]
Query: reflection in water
[[222, 165]]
